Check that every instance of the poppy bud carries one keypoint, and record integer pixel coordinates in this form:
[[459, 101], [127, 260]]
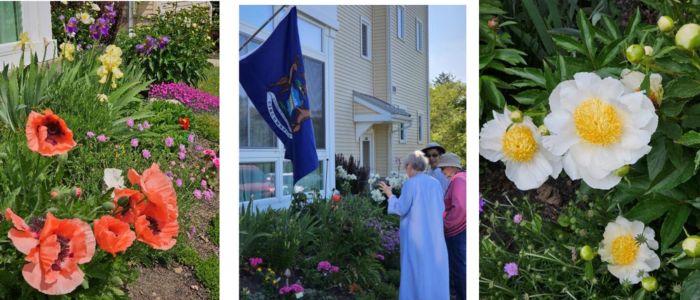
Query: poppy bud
[[622, 171], [543, 130], [116, 280], [3, 155], [691, 246], [587, 253], [688, 37], [63, 158], [516, 116], [75, 192], [635, 53], [665, 24], [337, 198], [650, 284], [123, 201], [108, 205], [493, 23]]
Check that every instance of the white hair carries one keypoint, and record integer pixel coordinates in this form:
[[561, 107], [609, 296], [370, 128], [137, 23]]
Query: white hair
[[417, 161]]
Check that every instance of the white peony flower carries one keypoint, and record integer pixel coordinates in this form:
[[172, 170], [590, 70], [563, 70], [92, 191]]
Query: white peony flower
[[598, 125], [519, 146], [85, 18], [95, 7], [633, 80], [352, 177], [377, 195], [628, 250], [113, 179]]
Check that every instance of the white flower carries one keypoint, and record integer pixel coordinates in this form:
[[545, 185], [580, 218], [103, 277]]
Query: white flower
[[351, 177], [113, 179], [627, 258], [404, 177], [598, 125], [394, 174], [519, 146], [392, 181], [377, 195], [85, 18], [95, 7], [633, 80], [371, 180], [298, 189]]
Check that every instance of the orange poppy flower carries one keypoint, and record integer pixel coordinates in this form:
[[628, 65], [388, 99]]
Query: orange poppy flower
[[156, 222], [54, 254], [128, 214], [113, 235], [48, 135]]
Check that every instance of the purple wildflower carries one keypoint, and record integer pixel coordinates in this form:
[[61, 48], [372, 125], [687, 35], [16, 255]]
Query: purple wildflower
[[134, 142], [182, 148], [199, 148], [169, 141], [178, 182], [380, 257], [102, 138], [146, 125], [181, 155], [61, 17], [90, 134], [197, 194], [130, 122], [190, 138], [481, 205], [511, 269], [204, 183], [518, 218], [208, 195], [146, 154], [140, 127]]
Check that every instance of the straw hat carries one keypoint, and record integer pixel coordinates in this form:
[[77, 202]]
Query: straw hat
[[449, 160]]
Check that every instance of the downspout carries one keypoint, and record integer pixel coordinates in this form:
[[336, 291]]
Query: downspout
[[427, 68], [390, 88]]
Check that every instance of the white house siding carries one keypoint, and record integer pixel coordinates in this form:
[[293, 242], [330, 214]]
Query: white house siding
[[381, 149], [352, 73], [410, 76]]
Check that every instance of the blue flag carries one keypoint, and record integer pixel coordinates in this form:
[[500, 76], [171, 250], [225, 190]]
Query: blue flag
[[273, 77]]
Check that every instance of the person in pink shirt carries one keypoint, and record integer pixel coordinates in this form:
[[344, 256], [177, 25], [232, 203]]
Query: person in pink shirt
[[455, 222]]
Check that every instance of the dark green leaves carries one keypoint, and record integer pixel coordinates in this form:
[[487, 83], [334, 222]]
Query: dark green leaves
[[587, 34], [690, 138], [691, 286], [673, 225], [683, 87], [649, 210]]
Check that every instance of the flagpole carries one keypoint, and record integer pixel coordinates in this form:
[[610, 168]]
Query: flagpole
[[261, 27], [325, 182]]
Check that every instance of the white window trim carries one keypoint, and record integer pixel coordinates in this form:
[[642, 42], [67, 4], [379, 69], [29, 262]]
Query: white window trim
[[364, 20], [403, 129], [36, 21], [276, 154], [403, 23], [419, 35], [420, 128]]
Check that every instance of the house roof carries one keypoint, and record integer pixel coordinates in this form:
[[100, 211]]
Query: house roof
[[394, 110]]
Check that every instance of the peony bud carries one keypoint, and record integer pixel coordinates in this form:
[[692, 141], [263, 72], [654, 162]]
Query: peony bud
[[691, 246], [543, 130], [635, 53], [108, 205], [493, 23], [587, 253], [665, 24], [648, 50], [650, 284], [688, 37], [516, 116], [622, 171]]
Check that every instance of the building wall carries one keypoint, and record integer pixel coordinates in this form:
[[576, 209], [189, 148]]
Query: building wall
[[352, 72], [381, 149], [410, 77]]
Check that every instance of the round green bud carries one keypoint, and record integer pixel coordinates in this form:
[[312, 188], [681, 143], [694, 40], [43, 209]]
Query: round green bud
[[516, 116], [108, 205], [691, 246], [63, 158], [665, 24], [688, 37], [650, 284], [123, 201], [622, 171], [587, 253], [635, 53], [116, 280], [543, 130]]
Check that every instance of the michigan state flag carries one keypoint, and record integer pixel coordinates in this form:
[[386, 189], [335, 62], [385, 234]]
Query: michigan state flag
[[273, 77]]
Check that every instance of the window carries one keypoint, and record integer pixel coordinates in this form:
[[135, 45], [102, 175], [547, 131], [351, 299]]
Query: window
[[400, 21], [315, 82], [310, 35], [419, 35], [256, 15], [366, 38], [420, 129], [256, 180], [10, 22], [402, 134], [252, 129], [313, 180]]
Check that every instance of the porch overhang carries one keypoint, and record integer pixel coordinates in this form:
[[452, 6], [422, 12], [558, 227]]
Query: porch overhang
[[380, 113]]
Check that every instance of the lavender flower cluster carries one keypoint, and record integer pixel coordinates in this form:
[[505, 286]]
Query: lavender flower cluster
[[195, 99], [389, 234], [147, 47]]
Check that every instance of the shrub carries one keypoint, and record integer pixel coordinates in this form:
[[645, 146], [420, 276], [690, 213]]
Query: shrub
[[197, 100], [386, 291], [207, 272], [394, 277], [186, 255], [213, 230], [82, 37], [184, 58], [211, 85], [351, 167]]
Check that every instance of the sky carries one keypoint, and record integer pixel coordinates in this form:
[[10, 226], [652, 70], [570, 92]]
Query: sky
[[447, 40]]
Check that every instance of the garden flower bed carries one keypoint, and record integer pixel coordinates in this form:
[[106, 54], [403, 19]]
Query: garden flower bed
[[589, 151], [118, 189]]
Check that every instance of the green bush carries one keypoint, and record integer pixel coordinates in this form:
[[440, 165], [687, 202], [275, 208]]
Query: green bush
[[211, 85], [213, 230], [207, 272], [208, 126], [184, 58], [186, 255], [394, 277], [386, 291]]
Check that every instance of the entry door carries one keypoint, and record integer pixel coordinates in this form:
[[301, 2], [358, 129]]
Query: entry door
[[367, 151]]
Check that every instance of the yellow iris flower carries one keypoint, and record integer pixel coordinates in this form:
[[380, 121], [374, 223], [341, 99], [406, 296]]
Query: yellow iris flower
[[111, 61], [23, 40], [67, 50]]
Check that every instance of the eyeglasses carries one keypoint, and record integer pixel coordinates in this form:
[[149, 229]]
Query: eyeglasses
[[432, 155]]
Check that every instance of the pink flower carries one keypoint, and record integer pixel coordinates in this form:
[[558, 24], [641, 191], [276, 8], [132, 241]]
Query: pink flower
[[90, 134], [216, 162], [324, 265], [181, 155], [178, 182], [172, 163], [208, 195], [204, 183], [210, 153], [297, 288], [197, 194], [182, 147], [255, 261], [130, 122], [511, 269], [134, 142], [518, 218], [380, 257], [169, 141], [199, 148], [102, 138], [192, 179], [140, 127], [146, 125], [334, 269], [190, 138], [146, 154]]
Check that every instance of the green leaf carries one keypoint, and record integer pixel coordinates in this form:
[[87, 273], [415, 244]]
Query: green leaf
[[673, 225], [690, 138], [589, 270], [527, 97], [687, 263], [528, 73], [587, 34], [491, 93], [569, 44], [639, 295], [670, 129], [656, 157], [484, 60], [691, 286], [632, 23], [510, 56], [697, 160], [649, 210], [540, 26], [609, 52], [611, 27], [671, 176], [683, 87], [486, 9]]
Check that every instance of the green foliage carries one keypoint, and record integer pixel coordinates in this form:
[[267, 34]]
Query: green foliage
[[386, 291], [448, 116], [394, 277], [208, 126], [213, 230], [186, 255], [211, 85], [207, 272], [185, 58]]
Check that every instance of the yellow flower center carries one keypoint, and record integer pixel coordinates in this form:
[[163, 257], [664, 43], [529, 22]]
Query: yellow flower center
[[518, 144], [624, 249], [597, 123]]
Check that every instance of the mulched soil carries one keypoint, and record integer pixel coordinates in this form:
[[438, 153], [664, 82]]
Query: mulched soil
[[253, 285]]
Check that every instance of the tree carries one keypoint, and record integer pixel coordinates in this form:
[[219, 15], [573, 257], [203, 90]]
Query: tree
[[443, 78], [448, 115]]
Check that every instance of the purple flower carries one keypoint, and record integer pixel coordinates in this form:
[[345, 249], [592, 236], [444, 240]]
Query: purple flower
[[204, 183], [140, 127], [190, 138], [61, 17], [334, 269], [103, 25], [130, 122], [134, 142], [109, 13], [518, 218], [181, 155], [146, 125], [182, 148], [169, 174], [199, 148], [481, 205], [208, 195], [169, 141], [146, 154], [102, 138], [72, 26], [197, 194], [511, 269], [195, 99], [178, 182], [297, 288], [90, 134], [380, 257], [192, 179], [162, 41], [324, 265], [94, 32]]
